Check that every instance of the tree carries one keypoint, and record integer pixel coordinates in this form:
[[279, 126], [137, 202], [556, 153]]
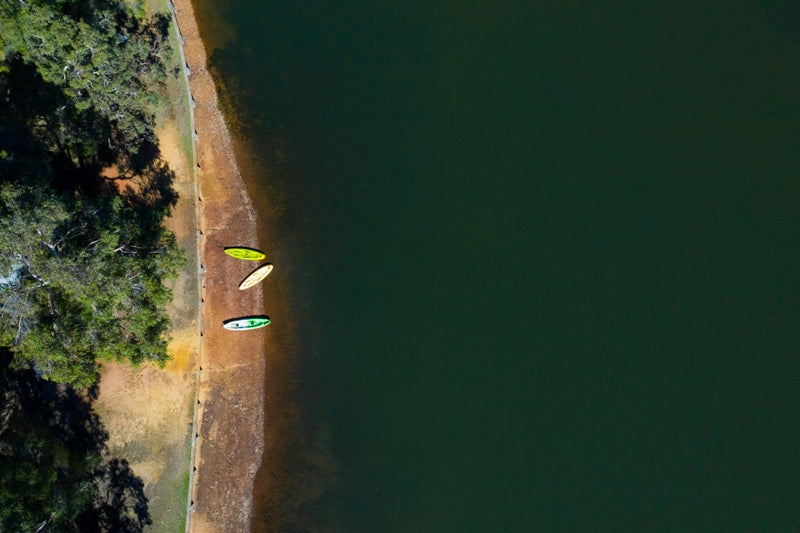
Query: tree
[[54, 471], [81, 266], [82, 281], [106, 61]]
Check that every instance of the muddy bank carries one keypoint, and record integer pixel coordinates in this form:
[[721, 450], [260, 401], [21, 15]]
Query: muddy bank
[[229, 416]]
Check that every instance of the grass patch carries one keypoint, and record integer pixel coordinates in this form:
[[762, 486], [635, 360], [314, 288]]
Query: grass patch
[[176, 91], [182, 491], [179, 110]]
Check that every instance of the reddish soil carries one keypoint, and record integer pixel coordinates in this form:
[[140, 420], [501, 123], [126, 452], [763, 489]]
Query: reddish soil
[[229, 415]]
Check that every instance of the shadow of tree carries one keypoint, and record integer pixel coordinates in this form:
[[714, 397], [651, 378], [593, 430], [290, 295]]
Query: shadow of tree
[[55, 470], [45, 139], [150, 179], [55, 473], [120, 503]]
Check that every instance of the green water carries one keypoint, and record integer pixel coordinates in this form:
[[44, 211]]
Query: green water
[[545, 259]]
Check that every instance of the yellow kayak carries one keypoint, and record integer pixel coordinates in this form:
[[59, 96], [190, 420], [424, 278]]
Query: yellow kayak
[[255, 276], [250, 254]]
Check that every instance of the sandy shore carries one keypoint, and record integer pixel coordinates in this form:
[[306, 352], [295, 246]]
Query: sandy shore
[[207, 405], [229, 416]]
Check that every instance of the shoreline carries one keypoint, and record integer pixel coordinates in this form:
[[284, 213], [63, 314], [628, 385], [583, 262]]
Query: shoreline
[[287, 479], [228, 439]]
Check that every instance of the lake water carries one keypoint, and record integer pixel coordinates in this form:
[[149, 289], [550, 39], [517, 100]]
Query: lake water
[[545, 258]]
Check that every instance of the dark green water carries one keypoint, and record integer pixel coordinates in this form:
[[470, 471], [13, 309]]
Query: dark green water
[[545, 260]]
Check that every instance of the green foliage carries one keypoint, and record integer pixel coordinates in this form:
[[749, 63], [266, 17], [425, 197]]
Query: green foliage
[[52, 469], [81, 265], [106, 61], [46, 452], [83, 281]]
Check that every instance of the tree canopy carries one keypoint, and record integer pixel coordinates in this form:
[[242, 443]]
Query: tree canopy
[[104, 59], [83, 260], [54, 475], [83, 282], [82, 265]]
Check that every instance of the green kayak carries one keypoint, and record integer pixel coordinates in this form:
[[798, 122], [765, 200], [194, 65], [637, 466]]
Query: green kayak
[[248, 322]]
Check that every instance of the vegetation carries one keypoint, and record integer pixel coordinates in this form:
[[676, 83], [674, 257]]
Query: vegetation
[[53, 476], [83, 251], [102, 58], [82, 263]]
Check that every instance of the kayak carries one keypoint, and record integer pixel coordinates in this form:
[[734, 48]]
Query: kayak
[[250, 254], [247, 322], [255, 276]]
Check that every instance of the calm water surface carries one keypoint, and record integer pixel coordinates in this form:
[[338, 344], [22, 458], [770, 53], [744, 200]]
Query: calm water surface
[[545, 260]]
